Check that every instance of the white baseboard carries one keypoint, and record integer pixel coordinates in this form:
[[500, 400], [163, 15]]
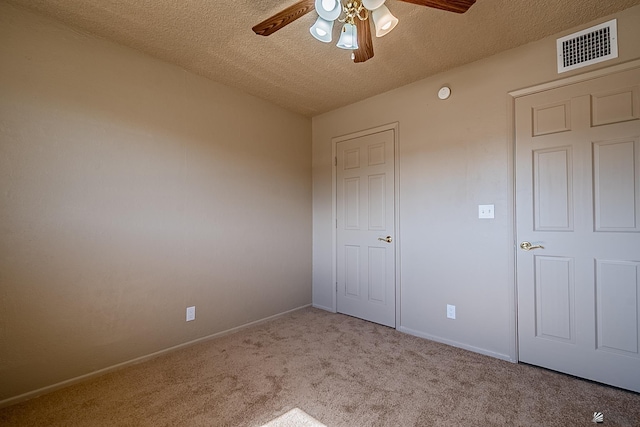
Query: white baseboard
[[457, 344], [48, 389], [322, 307]]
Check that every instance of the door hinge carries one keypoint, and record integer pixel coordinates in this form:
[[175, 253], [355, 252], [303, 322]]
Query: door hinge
[[336, 222], [335, 161], [336, 287]]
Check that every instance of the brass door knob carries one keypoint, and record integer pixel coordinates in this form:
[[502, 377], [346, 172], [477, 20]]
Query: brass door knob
[[385, 239], [527, 246]]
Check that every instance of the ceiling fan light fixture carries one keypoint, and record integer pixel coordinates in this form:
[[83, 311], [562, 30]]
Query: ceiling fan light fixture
[[372, 4], [329, 10], [356, 12], [348, 37], [384, 21], [322, 30]]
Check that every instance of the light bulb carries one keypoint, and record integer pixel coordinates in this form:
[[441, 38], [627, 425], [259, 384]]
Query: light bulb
[[328, 4], [329, 10], [372, 4], [348, 37], [321, 30], [384, 20]]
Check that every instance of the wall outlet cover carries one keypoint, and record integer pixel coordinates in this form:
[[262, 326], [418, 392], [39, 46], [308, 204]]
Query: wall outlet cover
[[191, 313], [451, 311]]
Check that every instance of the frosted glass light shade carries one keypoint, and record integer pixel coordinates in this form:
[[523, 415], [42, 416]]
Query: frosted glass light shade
[[329, 10], [372, 4], [384, 20], [348, 37], [322, 29]]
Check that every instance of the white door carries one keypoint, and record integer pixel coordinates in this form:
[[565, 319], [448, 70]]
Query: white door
[[365, 264], [578, 197]]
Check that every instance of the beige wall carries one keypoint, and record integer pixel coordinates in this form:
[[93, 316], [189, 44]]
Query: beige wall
[[131, 189], [454, 155]]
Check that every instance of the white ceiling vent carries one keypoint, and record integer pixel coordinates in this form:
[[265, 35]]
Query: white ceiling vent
[[586, 47]]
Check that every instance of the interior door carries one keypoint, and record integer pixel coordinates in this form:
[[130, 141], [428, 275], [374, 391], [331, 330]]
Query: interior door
[[365, 264], [578, 228]]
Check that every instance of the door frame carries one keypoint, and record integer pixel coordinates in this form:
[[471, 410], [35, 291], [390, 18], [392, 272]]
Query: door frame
[[334, 208], [511, 101]]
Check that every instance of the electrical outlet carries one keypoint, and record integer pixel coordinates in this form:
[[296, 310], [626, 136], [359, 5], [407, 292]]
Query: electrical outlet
[[191, 313], [451, 311]]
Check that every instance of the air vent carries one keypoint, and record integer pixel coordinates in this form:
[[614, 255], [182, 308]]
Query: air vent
[[586, 47]]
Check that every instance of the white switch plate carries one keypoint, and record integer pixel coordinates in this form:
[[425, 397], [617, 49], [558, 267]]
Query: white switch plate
[[191, 313], [451, 311], [486, 211]]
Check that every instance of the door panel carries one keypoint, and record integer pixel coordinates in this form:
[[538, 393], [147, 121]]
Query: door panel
[[377, 275], [352, 271], [377, 205], [617, 303], [555, 289], [578, 198], [616, 190], [365, 214], [352, 203], [553, 189]]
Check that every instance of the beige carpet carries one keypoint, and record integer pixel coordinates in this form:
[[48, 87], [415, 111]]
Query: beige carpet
[[339, 370]]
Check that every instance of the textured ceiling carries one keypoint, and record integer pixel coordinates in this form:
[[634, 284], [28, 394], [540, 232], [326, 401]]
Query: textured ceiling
[[213, 38]]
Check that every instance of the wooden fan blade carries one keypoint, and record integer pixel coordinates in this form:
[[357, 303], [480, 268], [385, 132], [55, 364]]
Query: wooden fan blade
[[365, 43], [287, 16], [457, 6]]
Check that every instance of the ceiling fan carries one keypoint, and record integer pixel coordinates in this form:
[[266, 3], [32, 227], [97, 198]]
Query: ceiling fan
[[356, 32]]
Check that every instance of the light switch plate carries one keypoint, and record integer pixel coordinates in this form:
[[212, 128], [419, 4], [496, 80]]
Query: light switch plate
[[486, 211]]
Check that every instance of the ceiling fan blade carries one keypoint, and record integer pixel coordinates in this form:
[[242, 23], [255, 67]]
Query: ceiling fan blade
[[457, 6], [365, 44], [285, 17]]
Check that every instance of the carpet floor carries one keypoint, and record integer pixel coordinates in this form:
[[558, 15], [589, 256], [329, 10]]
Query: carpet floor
[[339, 370]]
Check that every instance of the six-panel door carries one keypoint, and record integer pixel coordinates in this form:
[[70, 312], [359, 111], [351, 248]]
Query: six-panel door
[[578, 196], [365, 228]]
